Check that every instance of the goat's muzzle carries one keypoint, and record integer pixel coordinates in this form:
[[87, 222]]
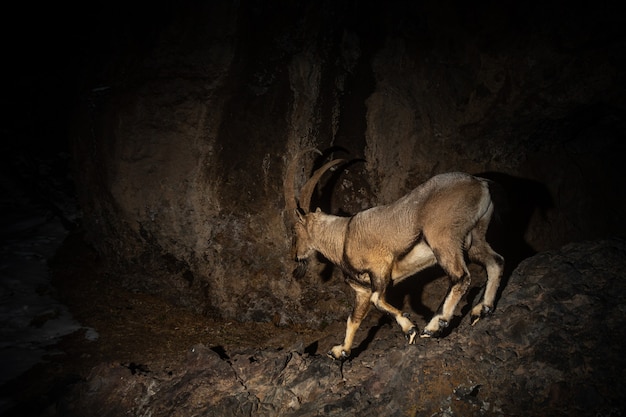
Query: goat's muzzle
[[300, 268]]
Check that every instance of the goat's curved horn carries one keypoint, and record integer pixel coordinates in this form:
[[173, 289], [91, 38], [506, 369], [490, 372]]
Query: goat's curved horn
[[307, 190], [289, 182]]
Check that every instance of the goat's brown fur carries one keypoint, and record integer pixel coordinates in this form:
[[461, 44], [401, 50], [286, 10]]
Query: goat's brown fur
[[439, 222]]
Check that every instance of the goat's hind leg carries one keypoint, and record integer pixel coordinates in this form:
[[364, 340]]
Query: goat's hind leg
[[453, 263], [494, 265], [360, 310], [481, 252]]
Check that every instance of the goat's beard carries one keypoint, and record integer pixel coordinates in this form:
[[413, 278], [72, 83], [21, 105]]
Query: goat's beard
[[300, 269]]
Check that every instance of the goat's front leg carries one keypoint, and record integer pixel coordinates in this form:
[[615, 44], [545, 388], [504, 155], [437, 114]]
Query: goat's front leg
[[380, 283], [408, 328], [360, 310]]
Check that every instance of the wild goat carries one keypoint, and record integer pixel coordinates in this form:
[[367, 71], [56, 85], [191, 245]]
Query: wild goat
[[439, 222]]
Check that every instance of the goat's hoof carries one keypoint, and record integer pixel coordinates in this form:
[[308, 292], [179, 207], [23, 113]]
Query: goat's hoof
[[410, 335], [342, 356], [477, 315], [429, 333], [443, 323], [486, 311]]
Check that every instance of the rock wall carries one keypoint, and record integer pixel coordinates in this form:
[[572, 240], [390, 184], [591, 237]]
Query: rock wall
[[187, 119]]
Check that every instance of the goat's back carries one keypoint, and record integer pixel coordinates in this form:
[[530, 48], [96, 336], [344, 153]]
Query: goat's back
[[449, 204]]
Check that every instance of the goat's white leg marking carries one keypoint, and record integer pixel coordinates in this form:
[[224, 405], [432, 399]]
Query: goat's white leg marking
[[494, 265], [482, 253], [408, 328], [453, 263], [360, 310], [440, 321], [343, 351]]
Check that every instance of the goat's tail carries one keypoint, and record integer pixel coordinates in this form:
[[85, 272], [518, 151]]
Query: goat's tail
[[499, 197]]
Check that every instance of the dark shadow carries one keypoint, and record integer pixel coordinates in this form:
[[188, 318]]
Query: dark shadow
[[327, 272], [324, 196], [414, 287], [136, 368], [311, 349], [472, 297], [221, 351], [328, 154], [515, 200], [371, 334]]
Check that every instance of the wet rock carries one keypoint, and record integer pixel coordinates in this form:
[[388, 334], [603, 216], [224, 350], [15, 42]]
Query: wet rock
[[528, 359]]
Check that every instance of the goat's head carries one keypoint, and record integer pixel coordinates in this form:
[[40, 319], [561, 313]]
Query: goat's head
[[303, 218]]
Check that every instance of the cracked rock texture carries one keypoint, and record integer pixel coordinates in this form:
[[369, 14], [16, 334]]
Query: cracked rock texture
[[554, 346]]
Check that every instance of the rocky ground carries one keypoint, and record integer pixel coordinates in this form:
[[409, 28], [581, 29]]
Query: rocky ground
[[553, 347], [175, 124]]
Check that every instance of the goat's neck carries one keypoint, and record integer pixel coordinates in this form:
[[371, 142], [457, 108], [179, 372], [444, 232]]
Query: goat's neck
[[329, 234]]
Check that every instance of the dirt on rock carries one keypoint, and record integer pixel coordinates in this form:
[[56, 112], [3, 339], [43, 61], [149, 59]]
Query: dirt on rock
[[136, 331], [553, 347]]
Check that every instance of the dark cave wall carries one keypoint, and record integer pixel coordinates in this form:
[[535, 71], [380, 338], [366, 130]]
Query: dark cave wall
[[181, 139]]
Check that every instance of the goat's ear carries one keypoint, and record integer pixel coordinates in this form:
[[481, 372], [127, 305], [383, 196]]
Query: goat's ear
[[300, 215]]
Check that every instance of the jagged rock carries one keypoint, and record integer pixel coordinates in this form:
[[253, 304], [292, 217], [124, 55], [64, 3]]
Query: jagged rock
[[554, 346]]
